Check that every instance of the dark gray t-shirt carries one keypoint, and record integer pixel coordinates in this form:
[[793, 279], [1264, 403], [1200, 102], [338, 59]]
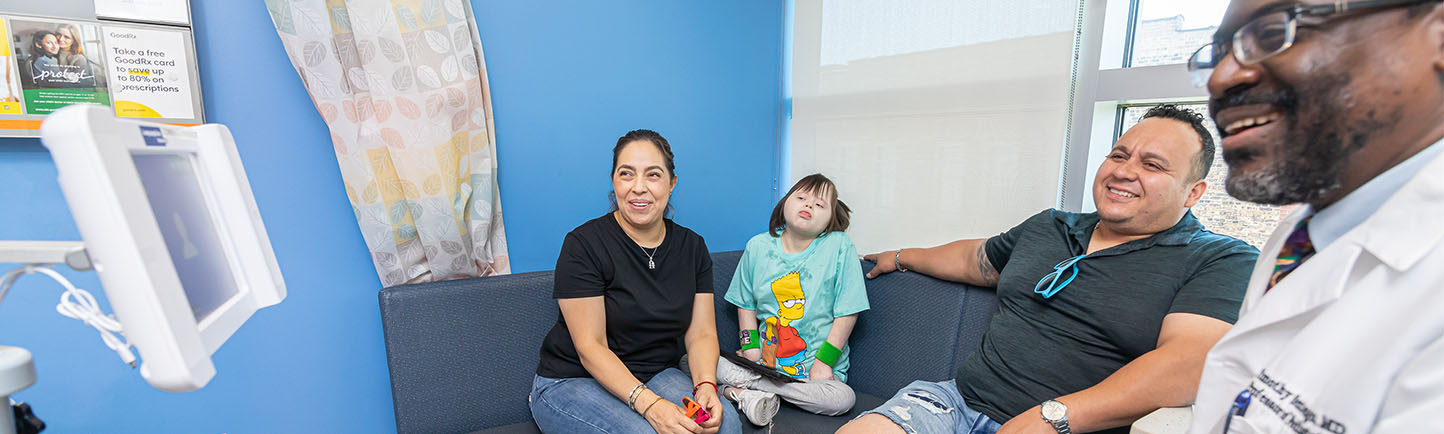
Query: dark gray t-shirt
[[1037, 349]]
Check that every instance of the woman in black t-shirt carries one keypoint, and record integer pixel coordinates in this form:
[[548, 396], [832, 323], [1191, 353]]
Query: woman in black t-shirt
[[635, 292]]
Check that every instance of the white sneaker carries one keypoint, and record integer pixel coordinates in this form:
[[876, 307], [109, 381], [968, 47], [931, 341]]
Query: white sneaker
[[729, 374], [758, 406]]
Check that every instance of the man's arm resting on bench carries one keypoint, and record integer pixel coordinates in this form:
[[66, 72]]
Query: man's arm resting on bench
[[963, 261], [1165, 377]]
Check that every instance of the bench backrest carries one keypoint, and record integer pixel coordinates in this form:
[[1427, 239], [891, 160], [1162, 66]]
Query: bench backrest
[[462, 353]]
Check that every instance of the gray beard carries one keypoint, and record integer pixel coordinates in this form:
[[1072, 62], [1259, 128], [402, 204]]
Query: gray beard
[[1308, 165], [1276, 185]]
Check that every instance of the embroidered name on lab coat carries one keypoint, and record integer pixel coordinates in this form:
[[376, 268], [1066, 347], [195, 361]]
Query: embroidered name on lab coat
[[1274, 395]]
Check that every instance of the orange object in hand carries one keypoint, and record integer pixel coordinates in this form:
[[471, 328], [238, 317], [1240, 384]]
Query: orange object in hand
[[695, 410]]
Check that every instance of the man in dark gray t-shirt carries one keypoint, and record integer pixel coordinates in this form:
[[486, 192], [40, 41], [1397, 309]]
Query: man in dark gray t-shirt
[[1102, 317]]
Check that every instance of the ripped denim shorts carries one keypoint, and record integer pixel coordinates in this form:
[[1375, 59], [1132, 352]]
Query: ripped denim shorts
[[926, 407]]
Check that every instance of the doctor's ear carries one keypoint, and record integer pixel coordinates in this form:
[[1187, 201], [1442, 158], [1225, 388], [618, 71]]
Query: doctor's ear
[[1434, 34]]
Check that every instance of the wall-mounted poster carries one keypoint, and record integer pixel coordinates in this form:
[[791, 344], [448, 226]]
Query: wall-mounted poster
[[150, 76], [60, 63], [149, 11], [10, 88]]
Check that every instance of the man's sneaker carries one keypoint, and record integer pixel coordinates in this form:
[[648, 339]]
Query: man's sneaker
[[729, 374], [758, 406]]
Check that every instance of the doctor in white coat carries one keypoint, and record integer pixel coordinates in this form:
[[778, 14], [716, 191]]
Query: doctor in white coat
[[1338, 105]]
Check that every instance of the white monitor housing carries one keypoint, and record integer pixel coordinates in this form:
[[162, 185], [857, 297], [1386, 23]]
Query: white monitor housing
[[171, 226]]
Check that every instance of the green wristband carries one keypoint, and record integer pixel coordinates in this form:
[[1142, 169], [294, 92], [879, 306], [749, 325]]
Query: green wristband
[[749, 339], [828, 354]]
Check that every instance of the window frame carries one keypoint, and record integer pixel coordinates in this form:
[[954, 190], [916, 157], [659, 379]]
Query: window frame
[[1130, 32], [1099, 107], [1107, 85]]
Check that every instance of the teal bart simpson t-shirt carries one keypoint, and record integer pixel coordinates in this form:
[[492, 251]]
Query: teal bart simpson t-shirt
[[797, 296]]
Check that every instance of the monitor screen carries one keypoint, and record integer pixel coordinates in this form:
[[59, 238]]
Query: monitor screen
[[172, 228], [189, 231]]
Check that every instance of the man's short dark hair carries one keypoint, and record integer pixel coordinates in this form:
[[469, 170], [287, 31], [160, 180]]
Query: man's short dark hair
[[1204, 160]]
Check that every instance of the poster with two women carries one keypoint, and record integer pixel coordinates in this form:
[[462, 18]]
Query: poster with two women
[[53, 64]]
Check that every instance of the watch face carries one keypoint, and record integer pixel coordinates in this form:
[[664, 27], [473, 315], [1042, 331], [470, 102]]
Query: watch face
[[1054, 410]]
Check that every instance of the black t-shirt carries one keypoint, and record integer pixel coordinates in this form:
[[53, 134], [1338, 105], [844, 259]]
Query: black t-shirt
[[648, 310], [1037, 349]]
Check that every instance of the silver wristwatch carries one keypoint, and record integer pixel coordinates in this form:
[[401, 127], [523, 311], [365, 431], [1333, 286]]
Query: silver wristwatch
[[1056, 413]]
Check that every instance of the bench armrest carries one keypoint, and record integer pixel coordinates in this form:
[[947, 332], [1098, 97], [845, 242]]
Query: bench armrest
[[1167, 420]]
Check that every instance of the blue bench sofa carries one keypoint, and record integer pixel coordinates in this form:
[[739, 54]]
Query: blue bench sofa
[[462, 353]]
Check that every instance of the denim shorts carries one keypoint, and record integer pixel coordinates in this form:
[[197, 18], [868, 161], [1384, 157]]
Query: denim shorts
[[926, 407]]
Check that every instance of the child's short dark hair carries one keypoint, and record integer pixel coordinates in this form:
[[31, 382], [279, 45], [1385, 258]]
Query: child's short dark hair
[[817, 185]]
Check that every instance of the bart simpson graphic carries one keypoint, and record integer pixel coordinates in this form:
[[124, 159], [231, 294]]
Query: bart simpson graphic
[[782, 347]]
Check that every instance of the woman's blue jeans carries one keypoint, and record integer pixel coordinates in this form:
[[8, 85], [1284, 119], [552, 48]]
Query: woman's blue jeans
[[581, 405]]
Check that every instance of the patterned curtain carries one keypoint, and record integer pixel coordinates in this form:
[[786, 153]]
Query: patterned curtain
[[402, 87]]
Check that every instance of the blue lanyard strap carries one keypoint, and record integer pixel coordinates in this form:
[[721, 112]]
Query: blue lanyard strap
[[1070, 264]]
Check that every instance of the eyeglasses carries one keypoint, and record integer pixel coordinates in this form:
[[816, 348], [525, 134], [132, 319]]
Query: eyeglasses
[[1054, 285], [1274, 32]]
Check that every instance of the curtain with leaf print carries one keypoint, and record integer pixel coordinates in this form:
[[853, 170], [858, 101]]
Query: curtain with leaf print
[[402, 86]]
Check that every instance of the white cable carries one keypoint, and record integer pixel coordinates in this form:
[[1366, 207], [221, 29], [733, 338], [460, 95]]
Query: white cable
[[9, 279], [81, 305]]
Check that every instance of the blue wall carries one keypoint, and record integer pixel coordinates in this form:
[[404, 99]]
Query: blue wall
[[703, 74], [567, 78]]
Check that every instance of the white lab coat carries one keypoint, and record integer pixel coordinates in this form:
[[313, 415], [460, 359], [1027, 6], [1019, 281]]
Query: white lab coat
[[1352, 341]]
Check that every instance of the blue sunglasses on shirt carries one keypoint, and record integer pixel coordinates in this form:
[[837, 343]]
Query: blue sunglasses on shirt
[[1052, 279]]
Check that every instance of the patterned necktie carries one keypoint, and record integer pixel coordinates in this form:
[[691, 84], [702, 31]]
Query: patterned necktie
[[1297, 249]]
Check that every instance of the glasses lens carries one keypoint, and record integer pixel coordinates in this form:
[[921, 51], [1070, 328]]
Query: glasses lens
[[1203, 58], [1201, 64], [1200, 76], [1264, 37]]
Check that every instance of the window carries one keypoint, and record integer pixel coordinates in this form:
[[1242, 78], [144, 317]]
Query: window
[[1168, 31], [938, 121], [1141, 46]]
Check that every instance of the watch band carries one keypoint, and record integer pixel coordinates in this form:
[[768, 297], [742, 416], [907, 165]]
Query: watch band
[[1061, 424], [1062, 427]]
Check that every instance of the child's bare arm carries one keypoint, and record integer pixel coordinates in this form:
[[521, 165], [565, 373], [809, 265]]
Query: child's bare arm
[[746, 319], [841, 330]]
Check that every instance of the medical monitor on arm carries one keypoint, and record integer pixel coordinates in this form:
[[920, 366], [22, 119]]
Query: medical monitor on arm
[[169, 221]]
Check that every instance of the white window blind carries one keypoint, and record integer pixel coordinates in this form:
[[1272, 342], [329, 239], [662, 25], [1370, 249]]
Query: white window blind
[[938, 119]]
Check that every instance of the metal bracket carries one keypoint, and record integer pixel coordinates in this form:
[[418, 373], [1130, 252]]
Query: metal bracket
[[70, 253]]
